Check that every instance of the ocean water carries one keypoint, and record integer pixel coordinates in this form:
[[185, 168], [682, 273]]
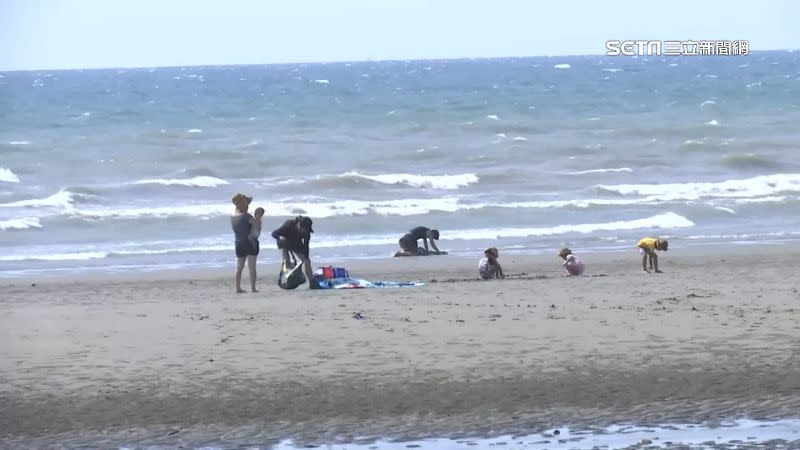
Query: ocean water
[[741, 434], [134, 169]]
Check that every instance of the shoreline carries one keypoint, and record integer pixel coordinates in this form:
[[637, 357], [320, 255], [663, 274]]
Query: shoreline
[[269, 259], [712, 338]]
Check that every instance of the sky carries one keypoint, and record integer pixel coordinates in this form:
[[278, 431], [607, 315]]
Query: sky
[[66, 34]]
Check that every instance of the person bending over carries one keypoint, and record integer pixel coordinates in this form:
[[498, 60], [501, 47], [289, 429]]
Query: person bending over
[[647, 247], [295, 235], [409, 245]]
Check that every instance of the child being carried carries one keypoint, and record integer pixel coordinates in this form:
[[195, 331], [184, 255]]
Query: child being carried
[[255, 228]]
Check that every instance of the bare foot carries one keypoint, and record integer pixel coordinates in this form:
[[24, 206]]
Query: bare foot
[[646, 271], [658, 271], [254, 290], [239, 291]]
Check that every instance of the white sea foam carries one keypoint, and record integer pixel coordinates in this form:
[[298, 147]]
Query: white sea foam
[[611, 70], [756, 84], [770, 199], [78, 256], [755, 190], [740, 236], [707, 103], [692, 142], [20, 224], [325, 209], [667, 220], [405, 207], [61, 199], [738, 434], [431, 181], [713, 123], [616, 170], [7, 176], [673, 65], [562, 66], [194, 130], [664, 221], [519, 138], [321, 81], [727, 210], [201, 181], [492, 117], [760, 186]]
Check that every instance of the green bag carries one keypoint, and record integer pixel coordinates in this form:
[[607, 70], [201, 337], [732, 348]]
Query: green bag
[[291, 274]]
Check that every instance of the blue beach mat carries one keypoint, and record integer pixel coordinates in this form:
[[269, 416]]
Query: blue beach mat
[[357, 283]]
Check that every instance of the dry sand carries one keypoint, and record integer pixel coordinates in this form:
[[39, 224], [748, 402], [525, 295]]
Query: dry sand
[[715, 336]]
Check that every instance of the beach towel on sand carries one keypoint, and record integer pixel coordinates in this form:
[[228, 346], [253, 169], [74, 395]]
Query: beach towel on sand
[[357, 283]]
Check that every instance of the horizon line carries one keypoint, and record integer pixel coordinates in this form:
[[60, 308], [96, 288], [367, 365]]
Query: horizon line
[[367, 60]]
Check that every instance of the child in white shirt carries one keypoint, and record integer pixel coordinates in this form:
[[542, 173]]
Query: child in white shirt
[[573, 266], [488, 267]]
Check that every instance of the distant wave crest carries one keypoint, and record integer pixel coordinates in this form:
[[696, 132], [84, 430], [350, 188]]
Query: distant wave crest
[[617, 170], [7, 176], [750, 161], [446, 182], [200, 181], [61, 199], [667, 220], [760, 186], [77, 256], [431, 181], [23, 223]]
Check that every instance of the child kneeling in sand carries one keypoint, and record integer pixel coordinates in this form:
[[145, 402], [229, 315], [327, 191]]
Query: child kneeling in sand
[[488, 267], [647, 247], [573, 266]]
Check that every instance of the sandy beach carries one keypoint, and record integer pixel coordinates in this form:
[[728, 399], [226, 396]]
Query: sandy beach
[[160, 356]]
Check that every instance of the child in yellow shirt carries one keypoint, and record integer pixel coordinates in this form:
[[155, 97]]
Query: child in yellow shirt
[[648, 247]]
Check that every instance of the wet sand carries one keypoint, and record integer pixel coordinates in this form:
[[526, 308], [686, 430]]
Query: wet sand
[[144, 355]]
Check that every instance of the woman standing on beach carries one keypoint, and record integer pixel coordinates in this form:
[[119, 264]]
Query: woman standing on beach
[[241, 221]]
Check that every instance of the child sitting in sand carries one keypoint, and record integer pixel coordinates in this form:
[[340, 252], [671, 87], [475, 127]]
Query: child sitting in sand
[[647, 247], [255, 228], [488, 267], [573, 266]]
